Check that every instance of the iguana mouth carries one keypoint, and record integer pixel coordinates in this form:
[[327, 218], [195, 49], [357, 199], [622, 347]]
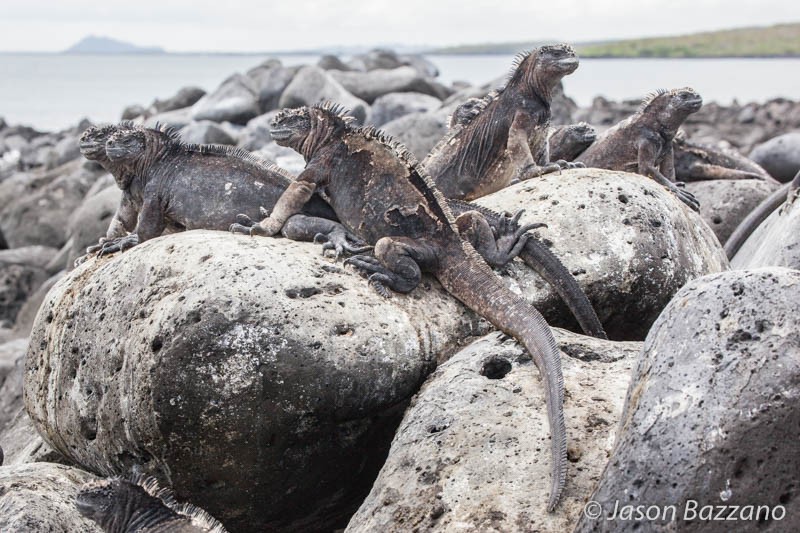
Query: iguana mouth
[[694, 103], [280, 134], [568, 63]]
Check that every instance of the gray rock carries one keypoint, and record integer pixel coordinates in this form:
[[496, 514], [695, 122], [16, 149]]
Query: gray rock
[[22, 271], [477, 460], [378, 58], [711, 416], [177, 118], [133, 111], [421, 64], [66, 149], [3, 243], [256, 134], [776, 242], [725, 203], [41, 497], [206, 132], [40, 216], [395, 105], [235, 100], [331, 62], [629, 242], [419, 132], [780, 156], [283, 373], [185, 97], [312, 85], [270, 84], [27, 313], [285, 158], [370, 85]]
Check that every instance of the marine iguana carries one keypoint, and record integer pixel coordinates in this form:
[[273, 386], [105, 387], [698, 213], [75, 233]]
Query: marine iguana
[[782, 198], [503, 140], [643, 142], [380, 193], [564, 142], [697, 161], [172, 186], [138, 505]]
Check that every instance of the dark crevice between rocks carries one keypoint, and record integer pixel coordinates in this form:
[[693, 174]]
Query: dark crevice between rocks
[[496, 368]]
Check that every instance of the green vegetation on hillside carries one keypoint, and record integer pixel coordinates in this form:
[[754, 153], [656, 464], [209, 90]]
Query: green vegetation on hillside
[[782, 40]]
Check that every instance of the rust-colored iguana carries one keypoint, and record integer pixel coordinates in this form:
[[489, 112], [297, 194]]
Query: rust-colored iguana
[[506, 138], [139, 505], [381, 194], [171, 186], [643, 142]]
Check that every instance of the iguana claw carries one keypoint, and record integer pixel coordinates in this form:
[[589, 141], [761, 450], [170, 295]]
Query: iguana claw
[[120, 244], [340, 240]]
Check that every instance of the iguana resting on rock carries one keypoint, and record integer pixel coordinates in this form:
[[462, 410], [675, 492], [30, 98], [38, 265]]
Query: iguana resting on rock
[[783, 197], [697, 161], [502, 142], [171, 186], [643, 142], [565, 142], [380, 193], [140, 506]]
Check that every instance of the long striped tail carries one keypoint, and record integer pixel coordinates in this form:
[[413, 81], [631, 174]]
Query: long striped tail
[[467, 277]]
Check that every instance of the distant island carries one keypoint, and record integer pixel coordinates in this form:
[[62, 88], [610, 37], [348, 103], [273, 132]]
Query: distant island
[[782, 40], [105, 45]]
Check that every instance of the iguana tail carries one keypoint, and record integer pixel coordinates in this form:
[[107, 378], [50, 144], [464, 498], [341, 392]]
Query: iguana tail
[[467, 277], [758, 215]]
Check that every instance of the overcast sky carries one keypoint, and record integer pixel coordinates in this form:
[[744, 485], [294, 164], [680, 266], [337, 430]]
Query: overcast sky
[[266, 25]]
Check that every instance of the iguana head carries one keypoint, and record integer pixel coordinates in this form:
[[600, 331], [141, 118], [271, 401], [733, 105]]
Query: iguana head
[[670, 108], [307, 128], [96, 500], [93, 140], [582, 132], [126, 144], [542, 68], [466, 112]]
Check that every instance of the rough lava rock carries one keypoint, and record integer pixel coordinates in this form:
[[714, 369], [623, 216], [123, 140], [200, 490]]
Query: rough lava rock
[[472, 452], [629, 242], [711, 415], [370, 85], [780, 156], [725, 203], [185, 97], [235, 100], [206, 132], [40, 497], [312, 85], [775, 242], [22, 271], [258, 379], [270, 82], [177, 118], [394, 105], [419, 132]]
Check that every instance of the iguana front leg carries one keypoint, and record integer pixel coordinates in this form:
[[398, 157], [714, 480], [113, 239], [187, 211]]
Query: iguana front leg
[[397, 264], [523, 134], [123, 221], [151, 224], [497, 246], [290, 203], [647, 167]]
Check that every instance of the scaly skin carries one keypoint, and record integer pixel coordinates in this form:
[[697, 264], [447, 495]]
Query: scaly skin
[[568, 142], [140, 506], [643, 142], [379, 193], [697, 161], [504, 137], [169, 186], [782, 198]]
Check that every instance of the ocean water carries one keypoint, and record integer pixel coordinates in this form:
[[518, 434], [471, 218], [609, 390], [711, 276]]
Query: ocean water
[[50, 91]]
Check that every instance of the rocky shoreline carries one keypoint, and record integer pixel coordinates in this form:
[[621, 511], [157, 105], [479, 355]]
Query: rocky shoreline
[[273, 388]]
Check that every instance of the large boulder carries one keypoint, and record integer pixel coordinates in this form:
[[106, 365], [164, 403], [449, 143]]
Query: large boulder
[[90, 222], [419, 132], [725, 203], [235, 100], [22, 270], [473, 452], [206, 132], [185, 97], [780, 156], [775, 242], [40, 497], [394, 105], [256, 134], [711, 415], [261, 380], [270, 82], [370, 85], [312, 85], [40, 216], [177, 118], [629, 242]]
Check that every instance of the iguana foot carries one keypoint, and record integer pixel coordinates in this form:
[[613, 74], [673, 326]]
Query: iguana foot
[[244, 220], [510, 238], [340, 240], [380, 283], [245, 225], [567, 165], [687, 197], [120, 244], [380, 278]]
